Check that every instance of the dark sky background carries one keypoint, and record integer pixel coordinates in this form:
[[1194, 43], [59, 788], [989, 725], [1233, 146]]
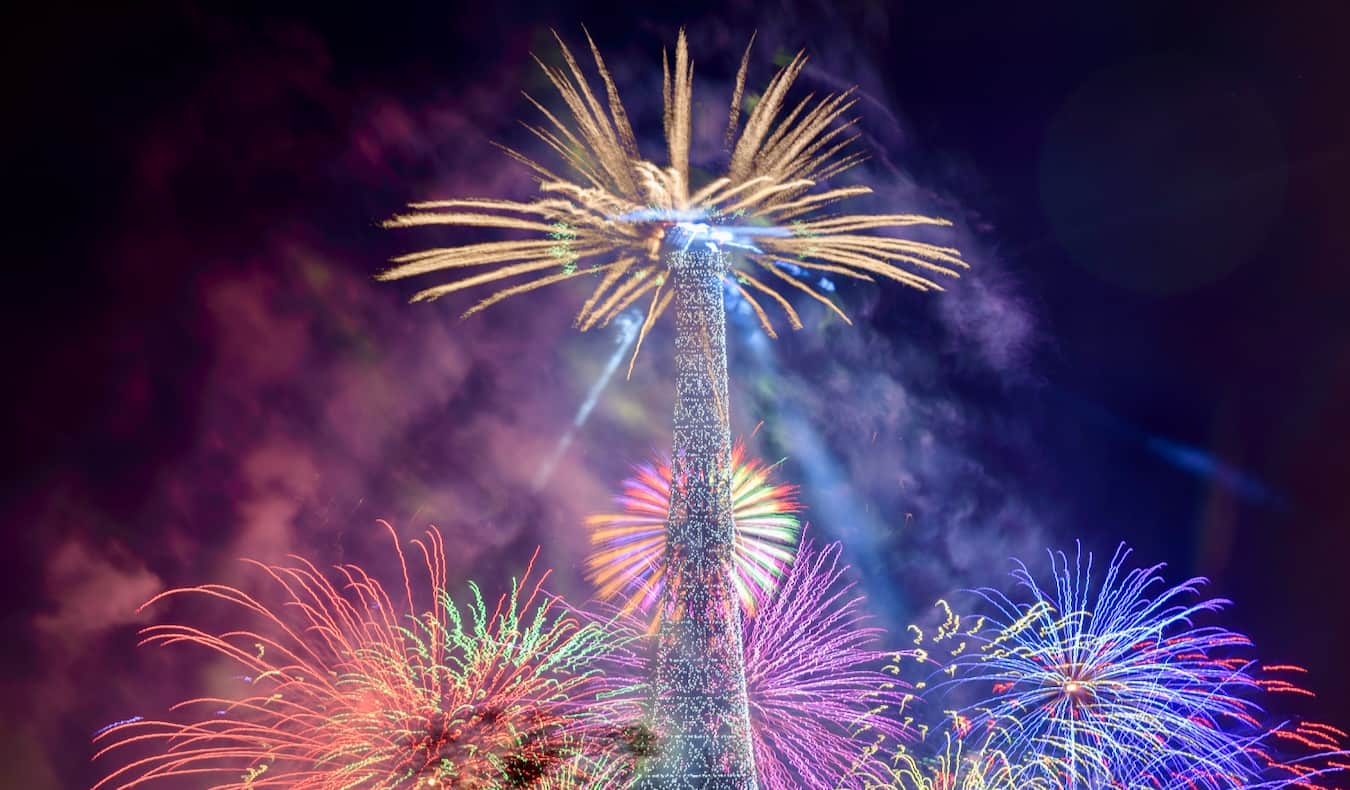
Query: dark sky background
[[1153, 344]]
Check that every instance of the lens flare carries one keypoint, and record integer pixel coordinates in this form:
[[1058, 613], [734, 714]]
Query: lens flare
[[347, 686], [627, 561]]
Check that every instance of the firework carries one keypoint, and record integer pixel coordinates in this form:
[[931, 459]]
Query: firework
[[1301, 754], [614, 216], [346, 685], [957, 767], [825, 704], [629, 547], [631, 224], [822, 704], [1110, 681]]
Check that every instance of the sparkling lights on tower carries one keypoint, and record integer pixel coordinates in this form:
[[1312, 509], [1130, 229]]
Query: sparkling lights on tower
[[699, 706]]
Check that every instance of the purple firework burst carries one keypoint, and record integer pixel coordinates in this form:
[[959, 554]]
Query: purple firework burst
[[821, 703]]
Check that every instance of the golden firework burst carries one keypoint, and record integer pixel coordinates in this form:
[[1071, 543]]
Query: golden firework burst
[[610, 219]]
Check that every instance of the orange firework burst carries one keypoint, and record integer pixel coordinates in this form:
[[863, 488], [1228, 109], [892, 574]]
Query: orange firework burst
[[629, 547], [347, 688]]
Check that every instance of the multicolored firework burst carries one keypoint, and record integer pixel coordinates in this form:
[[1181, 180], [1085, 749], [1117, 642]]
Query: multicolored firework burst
[[629, 547], [347, 686], [1107, 683]]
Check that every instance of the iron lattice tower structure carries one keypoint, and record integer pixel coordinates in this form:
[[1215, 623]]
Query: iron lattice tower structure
[[699, 705]]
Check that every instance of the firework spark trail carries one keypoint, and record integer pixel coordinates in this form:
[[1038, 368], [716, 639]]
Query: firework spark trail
[[1300, 754], [629, 547], [628, 326], [349, 686], [958, 767], [1108, 686]]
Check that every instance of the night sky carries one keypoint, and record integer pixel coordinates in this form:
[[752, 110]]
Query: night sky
[[1152, 346]]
